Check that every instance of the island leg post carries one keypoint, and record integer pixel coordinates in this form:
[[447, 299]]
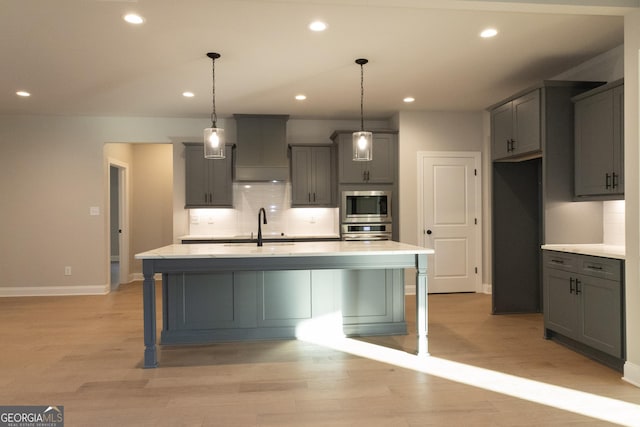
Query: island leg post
[[421, 305], [149, 312]]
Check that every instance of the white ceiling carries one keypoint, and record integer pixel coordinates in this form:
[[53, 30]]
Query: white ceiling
[[78, 57]]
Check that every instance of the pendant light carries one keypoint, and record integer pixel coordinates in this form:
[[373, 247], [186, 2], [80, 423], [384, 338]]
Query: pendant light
[[214, 136], [363, 140]]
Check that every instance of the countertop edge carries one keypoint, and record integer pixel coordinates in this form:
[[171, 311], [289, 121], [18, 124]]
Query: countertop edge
[[593, 249], [308, 249]]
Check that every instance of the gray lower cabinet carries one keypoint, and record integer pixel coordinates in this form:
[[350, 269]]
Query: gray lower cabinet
[[208, 182], [583, 301], [515, 127], [599, 142], [228, 306], [312, 176], [380, 170]]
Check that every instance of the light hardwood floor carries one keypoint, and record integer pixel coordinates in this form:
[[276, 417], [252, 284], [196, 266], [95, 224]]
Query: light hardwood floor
[[85, 353]]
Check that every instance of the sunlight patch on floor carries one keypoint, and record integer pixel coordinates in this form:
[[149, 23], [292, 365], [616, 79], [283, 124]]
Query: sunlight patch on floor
[[591, 405]]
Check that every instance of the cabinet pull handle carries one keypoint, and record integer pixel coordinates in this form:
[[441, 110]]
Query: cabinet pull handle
[[571, 279], [558, 261], [578, 290], [594, 267], [615, 180], [314, 197], [607, 181], [309, 196]]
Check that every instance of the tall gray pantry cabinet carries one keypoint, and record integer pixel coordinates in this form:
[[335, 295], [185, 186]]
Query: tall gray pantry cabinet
[[532, 190]]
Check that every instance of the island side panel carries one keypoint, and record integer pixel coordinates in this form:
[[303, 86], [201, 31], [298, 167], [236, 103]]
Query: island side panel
[[223, 306], [149, 314], [422, 317]]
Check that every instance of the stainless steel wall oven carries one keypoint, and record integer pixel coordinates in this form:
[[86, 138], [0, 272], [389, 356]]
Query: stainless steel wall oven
[[366, 215]]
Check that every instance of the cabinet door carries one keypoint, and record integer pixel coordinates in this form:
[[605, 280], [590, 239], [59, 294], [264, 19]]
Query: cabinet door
[[560, 302], [220, 180], [350, 172], [321, 176], [600, 314], [196, 175], [381, 169], [618, 139], [593, 148], [501, 131], [526, 116], [300, 176]]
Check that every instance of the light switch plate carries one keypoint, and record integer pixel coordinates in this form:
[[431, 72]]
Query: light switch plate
[[94, 210]]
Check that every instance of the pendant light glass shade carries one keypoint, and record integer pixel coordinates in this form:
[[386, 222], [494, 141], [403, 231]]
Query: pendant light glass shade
[[214, 136], [214, 143], [362, 140], [362, 143]]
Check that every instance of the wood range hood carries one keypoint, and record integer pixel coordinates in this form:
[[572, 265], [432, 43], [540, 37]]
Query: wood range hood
[[261, 148]]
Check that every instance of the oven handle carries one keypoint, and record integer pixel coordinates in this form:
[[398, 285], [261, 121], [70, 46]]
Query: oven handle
[[366, 237]]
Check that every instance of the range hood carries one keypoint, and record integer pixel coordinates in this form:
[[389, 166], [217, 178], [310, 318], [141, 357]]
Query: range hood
[[261, 148]]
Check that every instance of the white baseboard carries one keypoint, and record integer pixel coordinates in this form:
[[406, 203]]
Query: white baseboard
[[411, 289], [631, 373], [50, 291]]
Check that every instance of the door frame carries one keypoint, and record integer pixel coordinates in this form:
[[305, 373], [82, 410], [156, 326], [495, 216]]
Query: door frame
[[477, 159], [123, 213]]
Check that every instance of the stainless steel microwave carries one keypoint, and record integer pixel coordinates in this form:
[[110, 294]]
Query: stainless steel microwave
[[368, 206]]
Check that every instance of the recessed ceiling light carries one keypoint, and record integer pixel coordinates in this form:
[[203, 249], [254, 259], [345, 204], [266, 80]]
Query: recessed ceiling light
[[488, 33], [301, 97], [133, 18], [409, 99], [188, 94], [23, 93], [317, 26]]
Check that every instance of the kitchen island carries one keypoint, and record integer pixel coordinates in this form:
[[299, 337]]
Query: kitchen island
[[238, 291]]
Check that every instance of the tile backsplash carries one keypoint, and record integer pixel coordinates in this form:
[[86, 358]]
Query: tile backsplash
[[242, 220], [613, 222]]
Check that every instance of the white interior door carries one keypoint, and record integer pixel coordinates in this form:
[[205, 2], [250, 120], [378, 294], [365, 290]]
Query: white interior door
[[450, 196]]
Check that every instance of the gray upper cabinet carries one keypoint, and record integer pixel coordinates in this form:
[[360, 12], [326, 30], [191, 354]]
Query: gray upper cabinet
[[380, 170], [599, 142], [515, 127], [209, 182], [312, 176]]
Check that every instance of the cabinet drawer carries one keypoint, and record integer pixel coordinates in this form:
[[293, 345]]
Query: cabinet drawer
[[559, 261], [605, 268]]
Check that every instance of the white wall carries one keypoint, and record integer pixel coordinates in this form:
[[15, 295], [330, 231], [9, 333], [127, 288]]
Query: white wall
[[432, 131], [429, 131], [632, 194], [52, 170]]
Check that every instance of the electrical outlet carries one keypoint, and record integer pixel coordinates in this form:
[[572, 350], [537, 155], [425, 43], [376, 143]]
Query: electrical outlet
[[67, 271]]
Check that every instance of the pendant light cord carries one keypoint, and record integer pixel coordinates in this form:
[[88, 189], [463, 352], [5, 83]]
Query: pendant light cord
[[362, 97], [214, 117]]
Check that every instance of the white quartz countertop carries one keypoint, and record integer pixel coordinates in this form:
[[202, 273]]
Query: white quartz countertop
[[270, 236], [594, 249], [282, 249]]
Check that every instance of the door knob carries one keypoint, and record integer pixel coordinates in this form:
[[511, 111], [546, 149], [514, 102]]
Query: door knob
[[429, 231]]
